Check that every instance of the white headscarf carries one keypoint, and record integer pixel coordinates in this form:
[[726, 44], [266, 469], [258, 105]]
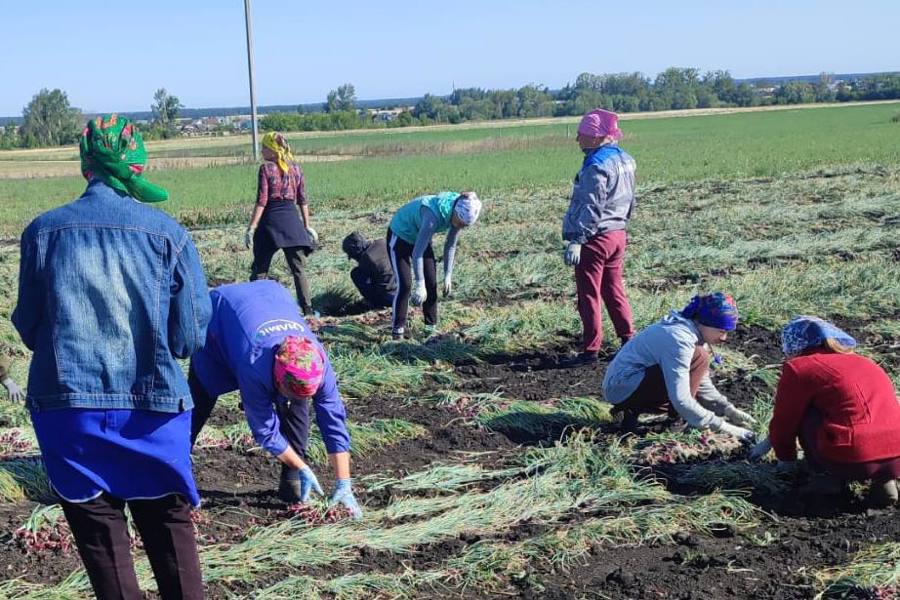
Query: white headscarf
[[467, 208]]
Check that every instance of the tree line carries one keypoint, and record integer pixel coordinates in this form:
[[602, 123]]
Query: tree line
[[49, 120]]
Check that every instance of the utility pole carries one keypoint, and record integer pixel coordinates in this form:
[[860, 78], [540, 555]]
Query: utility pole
[[250, 71]]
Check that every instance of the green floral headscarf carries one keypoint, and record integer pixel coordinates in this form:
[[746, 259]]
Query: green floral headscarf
[[112, 149]]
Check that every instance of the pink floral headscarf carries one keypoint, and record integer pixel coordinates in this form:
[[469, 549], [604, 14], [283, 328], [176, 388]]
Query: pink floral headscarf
[[299, 367]]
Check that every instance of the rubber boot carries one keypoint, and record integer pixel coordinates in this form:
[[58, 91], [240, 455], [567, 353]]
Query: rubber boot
[[289, 487], [883, 493]]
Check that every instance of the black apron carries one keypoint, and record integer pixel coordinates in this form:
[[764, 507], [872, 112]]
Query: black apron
[[282, 227]]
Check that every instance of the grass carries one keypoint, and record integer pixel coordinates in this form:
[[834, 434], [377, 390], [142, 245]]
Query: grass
[[685, 149], [789, 211], [24, 478], [875, 569]]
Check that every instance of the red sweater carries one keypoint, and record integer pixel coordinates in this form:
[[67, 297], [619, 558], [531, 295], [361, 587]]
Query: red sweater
[[860, 411]]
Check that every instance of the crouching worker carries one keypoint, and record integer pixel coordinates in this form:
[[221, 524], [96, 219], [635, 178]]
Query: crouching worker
[[666, 367], [409, 243], [841, 406], [373, 276], [259, 344]]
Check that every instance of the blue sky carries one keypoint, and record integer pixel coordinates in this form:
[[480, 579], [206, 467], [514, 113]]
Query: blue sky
[[113, 55]]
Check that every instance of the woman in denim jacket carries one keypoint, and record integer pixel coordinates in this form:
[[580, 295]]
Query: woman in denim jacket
[[111, 292]]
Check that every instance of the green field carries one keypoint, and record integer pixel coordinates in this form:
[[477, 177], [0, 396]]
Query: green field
[[793, 211], [543, 158]]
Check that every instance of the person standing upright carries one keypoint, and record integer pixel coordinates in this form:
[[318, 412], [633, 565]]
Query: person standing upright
[[594, 228], [280, 219], [111, 293]]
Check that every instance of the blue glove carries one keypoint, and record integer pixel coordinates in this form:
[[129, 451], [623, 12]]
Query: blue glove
[[343, 495], [308, 484]]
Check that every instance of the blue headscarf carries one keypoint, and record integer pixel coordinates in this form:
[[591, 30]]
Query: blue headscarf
[[713, 310], [803, 333]]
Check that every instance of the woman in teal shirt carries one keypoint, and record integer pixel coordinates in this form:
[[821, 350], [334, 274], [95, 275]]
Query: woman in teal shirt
[[409, 245]]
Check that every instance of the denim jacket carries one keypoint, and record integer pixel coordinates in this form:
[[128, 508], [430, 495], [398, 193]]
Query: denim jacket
[[111, 292]]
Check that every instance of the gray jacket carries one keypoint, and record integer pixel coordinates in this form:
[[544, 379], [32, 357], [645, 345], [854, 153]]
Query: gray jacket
[[669, 343], [602, 196]]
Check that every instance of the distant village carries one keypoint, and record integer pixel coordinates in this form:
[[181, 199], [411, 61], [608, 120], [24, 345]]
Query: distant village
[[233, 124]]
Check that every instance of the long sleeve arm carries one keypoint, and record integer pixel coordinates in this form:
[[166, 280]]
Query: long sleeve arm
[[30, 306], [675, 363], [450, 251], [792, 400], [426, 232], [711, 398], [582, 219], [262, 188], [190, 308], [331, 416]]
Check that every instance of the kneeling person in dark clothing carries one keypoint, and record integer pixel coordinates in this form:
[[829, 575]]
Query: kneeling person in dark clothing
[[258, 343], [373, 276]]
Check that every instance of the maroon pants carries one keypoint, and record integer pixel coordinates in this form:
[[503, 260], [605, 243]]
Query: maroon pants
[[888, 468], [598, 277], [652, 396], [100, 530]]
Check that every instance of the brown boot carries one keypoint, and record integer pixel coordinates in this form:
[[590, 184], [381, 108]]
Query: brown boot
[[883, 493]]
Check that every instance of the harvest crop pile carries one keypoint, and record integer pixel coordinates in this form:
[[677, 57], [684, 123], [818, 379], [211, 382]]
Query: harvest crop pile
[[488, 472]]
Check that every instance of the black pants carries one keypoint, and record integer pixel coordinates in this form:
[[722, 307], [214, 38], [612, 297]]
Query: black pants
[[100, 530], [401, 261], [293, 416], [296, 260], [376, 295]]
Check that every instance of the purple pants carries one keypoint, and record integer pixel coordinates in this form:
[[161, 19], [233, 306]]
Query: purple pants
[[598, 278], [888, 468]]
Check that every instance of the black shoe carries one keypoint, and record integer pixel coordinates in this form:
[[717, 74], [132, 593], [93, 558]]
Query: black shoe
[[579, 360], [289, 488], [626, 419]]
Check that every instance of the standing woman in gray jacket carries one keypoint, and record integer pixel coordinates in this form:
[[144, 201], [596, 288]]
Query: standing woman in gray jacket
[[594, 229]]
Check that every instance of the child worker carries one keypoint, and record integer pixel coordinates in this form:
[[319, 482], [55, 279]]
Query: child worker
[[412, 256], [666, 366], [841, 406], [258, 343], [594, 229]]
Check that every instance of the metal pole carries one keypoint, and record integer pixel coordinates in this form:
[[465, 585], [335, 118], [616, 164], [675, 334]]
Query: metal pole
[[250, 71]]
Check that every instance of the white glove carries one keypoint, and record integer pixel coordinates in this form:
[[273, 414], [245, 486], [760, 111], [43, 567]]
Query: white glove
[[15, 392], [760, 450], [312, 233], [419, 294], [448, 285], [739, 417], [248, 237], [573, 254], [744, 435]]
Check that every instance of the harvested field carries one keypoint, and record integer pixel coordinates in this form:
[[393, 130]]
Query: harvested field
[[488, 471]]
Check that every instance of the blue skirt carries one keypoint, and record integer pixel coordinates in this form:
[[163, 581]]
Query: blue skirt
[[130, 454]]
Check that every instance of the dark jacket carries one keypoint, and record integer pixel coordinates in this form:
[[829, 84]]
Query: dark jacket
[[373, 259]]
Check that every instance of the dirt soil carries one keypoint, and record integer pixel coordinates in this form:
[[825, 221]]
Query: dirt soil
[[776, 562]]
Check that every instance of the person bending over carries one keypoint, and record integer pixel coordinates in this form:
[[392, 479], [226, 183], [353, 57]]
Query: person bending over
[[259, 344]]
